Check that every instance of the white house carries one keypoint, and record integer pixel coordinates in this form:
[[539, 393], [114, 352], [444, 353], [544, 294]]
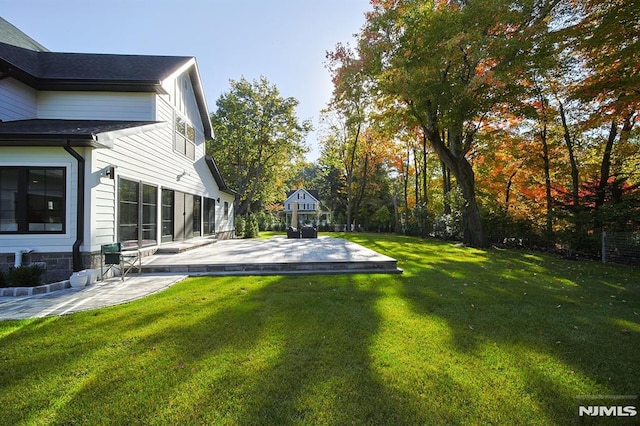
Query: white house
[[307, 207], [96, 149]]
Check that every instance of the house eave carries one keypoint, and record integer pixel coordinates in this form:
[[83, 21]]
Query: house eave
[[217, 176], [93, 134], [9, 140]]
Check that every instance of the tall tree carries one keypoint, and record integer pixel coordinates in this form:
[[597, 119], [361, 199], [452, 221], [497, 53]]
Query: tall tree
[[257, 137], [452, 62], [349, 105]]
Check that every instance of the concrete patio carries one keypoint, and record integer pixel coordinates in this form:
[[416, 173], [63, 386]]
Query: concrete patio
[[276, 256]]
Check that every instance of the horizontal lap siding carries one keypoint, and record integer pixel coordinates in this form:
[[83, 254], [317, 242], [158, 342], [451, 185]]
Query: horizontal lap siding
[[96, 106], [17, 101]]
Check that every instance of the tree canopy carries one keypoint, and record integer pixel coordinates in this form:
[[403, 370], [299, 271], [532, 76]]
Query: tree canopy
[[257, 138], [529, 106]]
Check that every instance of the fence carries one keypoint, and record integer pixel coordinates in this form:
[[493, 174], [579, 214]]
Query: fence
[[621, 247]]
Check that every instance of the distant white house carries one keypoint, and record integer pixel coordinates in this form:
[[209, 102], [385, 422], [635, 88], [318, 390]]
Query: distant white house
[[96, 149], [308, 208]]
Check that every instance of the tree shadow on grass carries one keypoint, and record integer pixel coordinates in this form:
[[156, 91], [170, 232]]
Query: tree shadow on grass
[[555, 327], [220, 351]]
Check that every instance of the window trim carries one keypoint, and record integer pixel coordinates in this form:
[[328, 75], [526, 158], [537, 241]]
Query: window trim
[[189, 148], [21, 209], [140, 242]]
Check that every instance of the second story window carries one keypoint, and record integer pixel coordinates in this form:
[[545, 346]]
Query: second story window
[[185, 138]]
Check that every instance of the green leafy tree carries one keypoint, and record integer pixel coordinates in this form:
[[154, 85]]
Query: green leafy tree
[[257, 137], [450, 64]]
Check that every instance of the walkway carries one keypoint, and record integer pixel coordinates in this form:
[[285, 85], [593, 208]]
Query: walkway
[[99, 295]]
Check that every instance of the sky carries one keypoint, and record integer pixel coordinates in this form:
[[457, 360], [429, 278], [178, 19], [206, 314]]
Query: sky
[[282, 40]]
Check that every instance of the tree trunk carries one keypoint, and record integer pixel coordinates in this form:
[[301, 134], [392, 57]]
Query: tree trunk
[[417, 178], [575, 183], [349, 168], [508, 191], [363, 185], [424, 171], [406, 188], [605, 166], [547, 180], [471, 219], [462, 170], [446, 187]]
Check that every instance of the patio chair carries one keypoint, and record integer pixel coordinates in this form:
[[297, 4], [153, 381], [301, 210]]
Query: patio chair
[[112, 256], [293, 232], [308, 232]]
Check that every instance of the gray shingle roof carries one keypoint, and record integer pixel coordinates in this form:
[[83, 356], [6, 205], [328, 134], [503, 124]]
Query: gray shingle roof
[[39, 132], [47, 70]]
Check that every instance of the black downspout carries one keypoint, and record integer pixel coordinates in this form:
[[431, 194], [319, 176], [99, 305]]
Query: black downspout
[[77, 258]]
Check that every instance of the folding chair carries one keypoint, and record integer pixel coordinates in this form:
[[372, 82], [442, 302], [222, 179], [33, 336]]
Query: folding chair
[[112, 256]]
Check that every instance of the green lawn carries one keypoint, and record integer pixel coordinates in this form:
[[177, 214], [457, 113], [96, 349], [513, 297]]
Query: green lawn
[[463, 336]]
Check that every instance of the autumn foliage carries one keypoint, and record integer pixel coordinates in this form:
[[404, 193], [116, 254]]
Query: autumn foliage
[[521, 117]]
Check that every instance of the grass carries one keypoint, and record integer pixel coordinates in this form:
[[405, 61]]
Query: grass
[[463, 336]]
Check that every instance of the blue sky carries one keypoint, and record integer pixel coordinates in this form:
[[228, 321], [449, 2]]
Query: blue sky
[[282, 40]]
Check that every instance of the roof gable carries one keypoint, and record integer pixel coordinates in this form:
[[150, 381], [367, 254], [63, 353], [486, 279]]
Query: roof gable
[[313, 194], [27, 61]]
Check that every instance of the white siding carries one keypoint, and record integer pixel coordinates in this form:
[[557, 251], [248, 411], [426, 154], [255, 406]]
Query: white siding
[[149, 158], [96, 106], [222, 224], [17, 101]]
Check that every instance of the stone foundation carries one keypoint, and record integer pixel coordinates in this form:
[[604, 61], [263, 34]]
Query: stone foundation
[[226, 235], [57, 266]]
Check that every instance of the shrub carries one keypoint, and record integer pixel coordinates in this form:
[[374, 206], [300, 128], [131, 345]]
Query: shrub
[[240, 222], [24, 276], [251, 229]]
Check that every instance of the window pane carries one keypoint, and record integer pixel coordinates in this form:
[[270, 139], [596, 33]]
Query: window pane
[[197, 206], [45, 199], [180, 126], [190, 150], [167, 215], [149, 214], [180, 144], [128, 209], [8, 200], [191, 133], [209, 216]]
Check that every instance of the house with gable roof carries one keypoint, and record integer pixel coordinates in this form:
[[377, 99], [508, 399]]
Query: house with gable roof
[[98, 148], [307, 207]]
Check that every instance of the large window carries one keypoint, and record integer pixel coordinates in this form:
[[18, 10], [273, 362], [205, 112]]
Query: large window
[[32, 200], [197, 216], [209, 222], [185, 138], [167, 215], [149, 215], [138, 209]]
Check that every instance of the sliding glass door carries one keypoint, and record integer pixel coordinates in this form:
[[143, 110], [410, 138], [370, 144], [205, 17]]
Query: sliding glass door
[[138, 213]]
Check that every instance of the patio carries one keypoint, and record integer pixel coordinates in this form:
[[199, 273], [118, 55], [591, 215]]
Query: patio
[[275, 256]]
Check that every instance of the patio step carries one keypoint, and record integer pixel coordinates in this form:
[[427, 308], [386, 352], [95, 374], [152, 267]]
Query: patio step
[[186, 245], [278, 268]]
